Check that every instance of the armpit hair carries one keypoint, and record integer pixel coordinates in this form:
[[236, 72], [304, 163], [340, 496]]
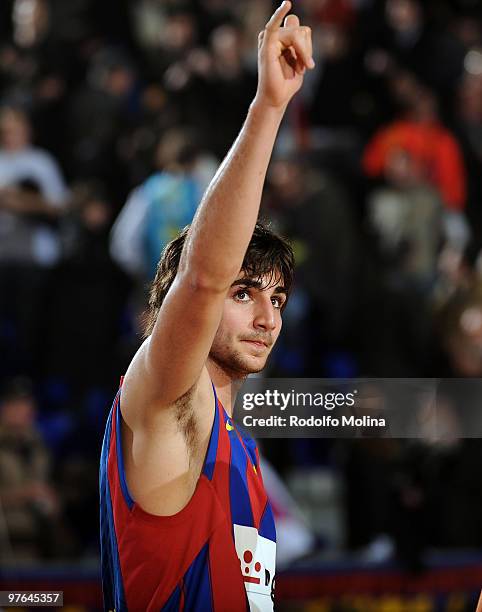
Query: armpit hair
[[184, 412]]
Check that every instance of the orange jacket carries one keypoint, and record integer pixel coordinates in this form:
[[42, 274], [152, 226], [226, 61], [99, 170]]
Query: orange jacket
[[433, 146]]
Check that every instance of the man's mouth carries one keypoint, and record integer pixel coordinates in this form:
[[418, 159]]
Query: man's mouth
[[258, 343]]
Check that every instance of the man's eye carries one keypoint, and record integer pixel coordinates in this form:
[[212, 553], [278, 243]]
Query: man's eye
[[276, 302], [242, 296]]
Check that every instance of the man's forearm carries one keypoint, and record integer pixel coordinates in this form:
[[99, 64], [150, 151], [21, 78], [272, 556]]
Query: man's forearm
[[224, 223], [225, 220]]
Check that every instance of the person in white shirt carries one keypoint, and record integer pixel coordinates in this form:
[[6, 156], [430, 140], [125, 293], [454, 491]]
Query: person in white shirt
[[32, 195]]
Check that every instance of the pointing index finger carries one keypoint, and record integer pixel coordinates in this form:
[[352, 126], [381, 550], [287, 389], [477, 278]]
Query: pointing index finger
[[277, 18]]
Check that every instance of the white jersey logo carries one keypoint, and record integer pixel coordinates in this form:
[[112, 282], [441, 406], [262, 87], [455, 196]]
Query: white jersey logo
[[257, 556]]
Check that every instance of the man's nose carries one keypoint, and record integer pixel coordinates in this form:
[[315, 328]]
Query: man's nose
[[264, 315]]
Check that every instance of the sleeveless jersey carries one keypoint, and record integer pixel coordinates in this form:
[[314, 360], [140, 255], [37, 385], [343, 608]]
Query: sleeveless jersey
[[216, 554]]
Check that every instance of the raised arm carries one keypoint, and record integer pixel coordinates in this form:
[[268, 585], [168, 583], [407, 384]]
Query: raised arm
[[172, 359], [224, 224]]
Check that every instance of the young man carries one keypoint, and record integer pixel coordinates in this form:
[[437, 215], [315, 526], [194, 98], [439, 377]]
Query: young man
[[185, 521]]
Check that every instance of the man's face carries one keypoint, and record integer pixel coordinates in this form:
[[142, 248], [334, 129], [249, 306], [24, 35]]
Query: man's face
[[249, 327], [14, 130], [18, 415]]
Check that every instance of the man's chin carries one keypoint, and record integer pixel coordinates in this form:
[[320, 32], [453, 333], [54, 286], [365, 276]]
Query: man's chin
[[253, 365], [240, 363], [253, 370], [242, 366]]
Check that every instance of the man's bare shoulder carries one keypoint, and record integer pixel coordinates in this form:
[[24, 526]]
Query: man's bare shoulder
[[164, 448]]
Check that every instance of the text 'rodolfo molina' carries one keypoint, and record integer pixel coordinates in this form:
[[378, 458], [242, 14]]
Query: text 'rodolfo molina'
[[312, 421]]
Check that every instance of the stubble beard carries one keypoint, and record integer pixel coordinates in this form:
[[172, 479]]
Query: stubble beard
[[233, 362]]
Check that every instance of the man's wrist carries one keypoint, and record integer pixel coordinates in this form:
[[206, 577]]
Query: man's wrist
[[266, 110]]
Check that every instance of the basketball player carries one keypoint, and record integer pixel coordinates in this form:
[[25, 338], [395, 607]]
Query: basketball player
[[185, 521]]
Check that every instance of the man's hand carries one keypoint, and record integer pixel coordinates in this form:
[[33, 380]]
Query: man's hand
[[24, 203], [10, 199], [284, 54]]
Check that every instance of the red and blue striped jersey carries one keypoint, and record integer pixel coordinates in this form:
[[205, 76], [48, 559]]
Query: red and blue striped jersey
[[216, 554]]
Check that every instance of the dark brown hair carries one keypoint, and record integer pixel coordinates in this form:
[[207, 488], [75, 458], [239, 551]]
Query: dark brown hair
[[268, 255]]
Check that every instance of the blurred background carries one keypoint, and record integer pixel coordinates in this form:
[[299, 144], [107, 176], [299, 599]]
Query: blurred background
[[113, 118]]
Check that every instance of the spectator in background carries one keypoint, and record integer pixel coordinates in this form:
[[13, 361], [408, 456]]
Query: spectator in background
[[99, 116], [27, 51], [408, 40], [232, 86], [21, 161], [340, 70], [28, 502], [165, 31], [470, 108], [159, 208], [469, 129], [32, 198], [38, 69], [217, 78], [460, 330], [433, 148], [406, 217], [157, 113]]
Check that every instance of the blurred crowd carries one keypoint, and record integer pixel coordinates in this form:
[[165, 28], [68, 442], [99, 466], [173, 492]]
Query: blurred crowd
[[113, 118]]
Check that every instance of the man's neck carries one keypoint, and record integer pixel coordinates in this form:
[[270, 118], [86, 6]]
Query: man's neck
[[226, 384]]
